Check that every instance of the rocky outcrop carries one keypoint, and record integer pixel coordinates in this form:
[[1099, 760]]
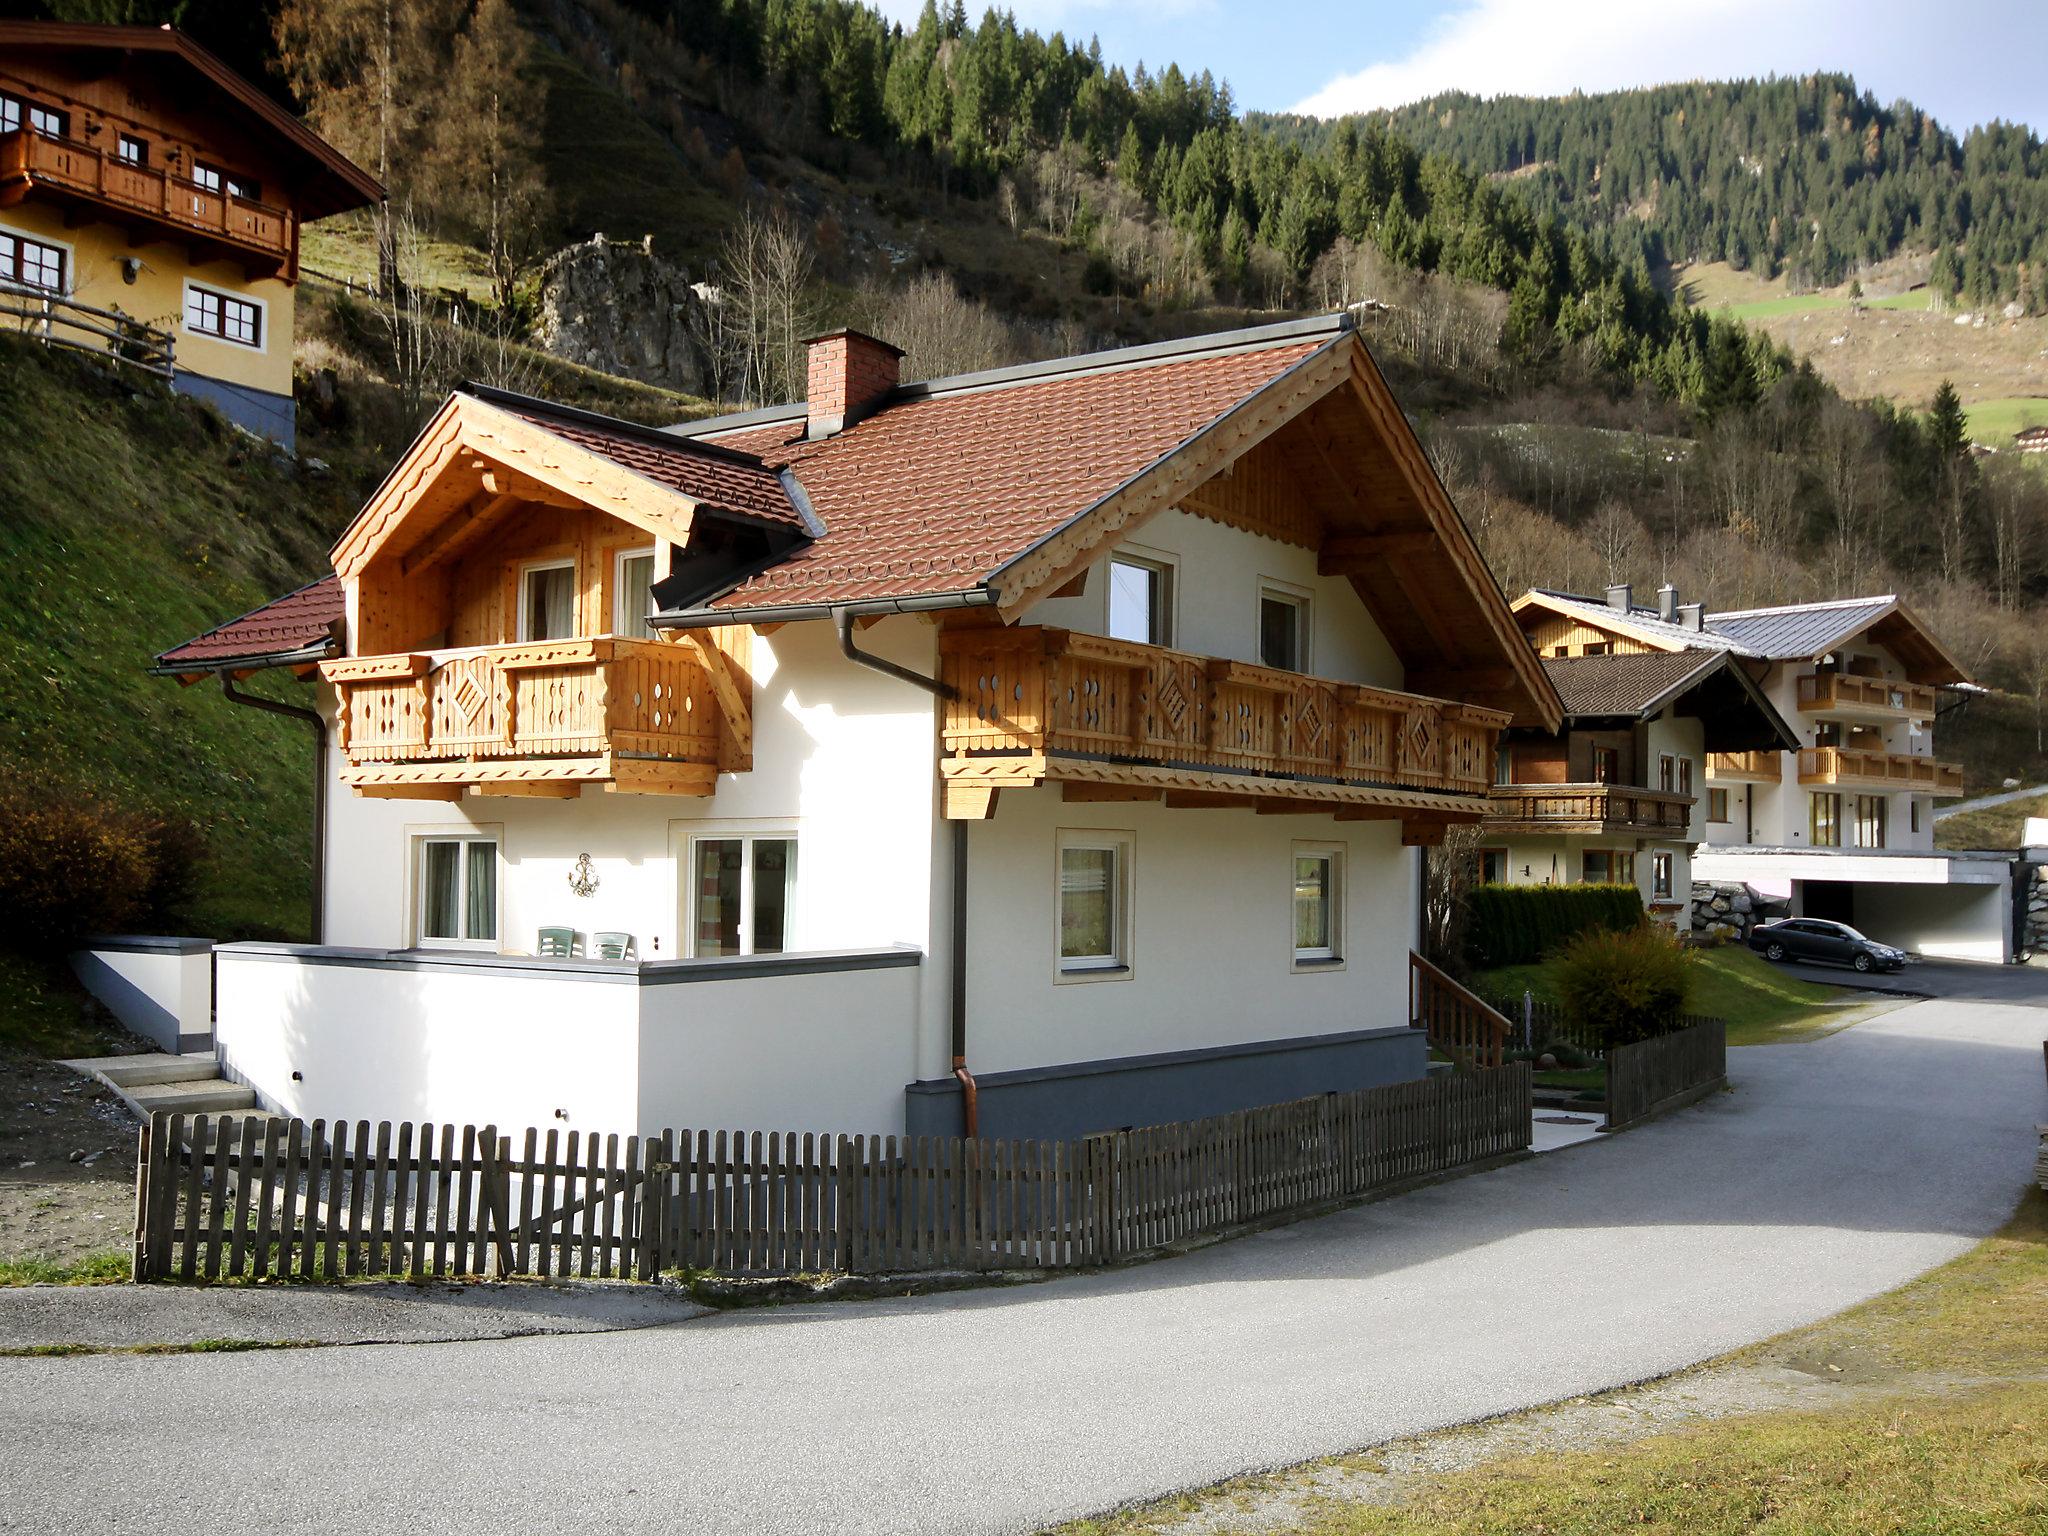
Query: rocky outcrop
[[1724, 914], [616, 306]]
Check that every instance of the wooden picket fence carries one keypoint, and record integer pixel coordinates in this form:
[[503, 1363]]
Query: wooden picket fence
[[234, 1196], [1650, 1075]]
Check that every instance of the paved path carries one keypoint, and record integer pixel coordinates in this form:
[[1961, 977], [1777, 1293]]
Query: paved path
[[117, 1316], [1836, 1170], [1985, 802]]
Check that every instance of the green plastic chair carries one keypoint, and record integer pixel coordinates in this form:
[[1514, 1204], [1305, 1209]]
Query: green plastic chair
[[613, 946], [556, 943]]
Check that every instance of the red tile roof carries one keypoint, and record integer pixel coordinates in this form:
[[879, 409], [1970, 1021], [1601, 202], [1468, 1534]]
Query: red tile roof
[[937, 492], [714, 475], [288, 624]]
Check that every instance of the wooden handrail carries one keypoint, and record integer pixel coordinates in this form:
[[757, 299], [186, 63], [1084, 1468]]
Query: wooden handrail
[[1459, 1023], [1824, 690], [1632, 804], [100, 332], [1854, 766]]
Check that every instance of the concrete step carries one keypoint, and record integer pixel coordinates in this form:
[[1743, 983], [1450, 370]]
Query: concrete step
[[190, 1098], [150, 1067]]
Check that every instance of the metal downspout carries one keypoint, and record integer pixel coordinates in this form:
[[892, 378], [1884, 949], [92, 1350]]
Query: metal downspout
[[312, 718], [969, 1094]]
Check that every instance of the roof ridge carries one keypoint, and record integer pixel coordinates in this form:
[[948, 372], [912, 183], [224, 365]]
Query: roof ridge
[[654, 437], [1146, 354], [1830, 602]]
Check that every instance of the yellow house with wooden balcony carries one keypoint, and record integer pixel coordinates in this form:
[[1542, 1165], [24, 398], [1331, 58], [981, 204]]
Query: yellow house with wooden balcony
[[1043, 750], [150, 206]]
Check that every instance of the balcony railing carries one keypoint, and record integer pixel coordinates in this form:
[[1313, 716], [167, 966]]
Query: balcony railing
[[37, 159], [1049, 694], [1856, 769], [1588, 808], [1745, 767], [632, 713], [1843, 694]]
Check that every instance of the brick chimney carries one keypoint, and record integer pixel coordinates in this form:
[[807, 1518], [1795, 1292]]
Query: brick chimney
[[849, 373]]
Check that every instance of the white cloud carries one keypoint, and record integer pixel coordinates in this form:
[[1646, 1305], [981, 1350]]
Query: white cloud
[[1553, 47]]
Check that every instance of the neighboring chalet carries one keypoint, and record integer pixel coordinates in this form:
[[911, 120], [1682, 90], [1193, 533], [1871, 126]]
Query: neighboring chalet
[[1840, 823], [150, 204], [1614, 797], [1048, 748]]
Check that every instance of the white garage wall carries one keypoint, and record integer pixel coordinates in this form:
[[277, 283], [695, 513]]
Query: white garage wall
[[161, 988]]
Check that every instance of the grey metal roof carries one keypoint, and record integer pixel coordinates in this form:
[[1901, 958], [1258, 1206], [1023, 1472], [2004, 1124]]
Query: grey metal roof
[[1641, 621], [1800, 630]]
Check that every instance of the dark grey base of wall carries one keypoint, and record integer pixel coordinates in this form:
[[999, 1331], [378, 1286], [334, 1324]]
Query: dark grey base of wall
[[274, 416], [1081, 1098]]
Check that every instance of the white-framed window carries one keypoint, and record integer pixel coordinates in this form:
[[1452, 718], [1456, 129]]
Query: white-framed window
[[1092, 872], [633, 594], [742, 893], [224, 316], [1141, 598], [1283, 627], [33, 263], [455, 890], [1318, 910], [547, 600], [130, 150], [1660, 876]]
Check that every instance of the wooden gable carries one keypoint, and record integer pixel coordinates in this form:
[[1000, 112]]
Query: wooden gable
[[1323, 458]]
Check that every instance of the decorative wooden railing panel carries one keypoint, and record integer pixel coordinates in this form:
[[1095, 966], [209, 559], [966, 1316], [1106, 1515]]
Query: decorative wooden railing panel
[[66, 164], [1854, 768], [1051, 691], [1557, 807], [559, 698], [1746, 767], [1844, 693], [1461, 1025]]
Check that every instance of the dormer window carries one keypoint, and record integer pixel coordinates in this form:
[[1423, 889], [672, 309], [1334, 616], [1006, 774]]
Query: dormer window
[[547, 601]]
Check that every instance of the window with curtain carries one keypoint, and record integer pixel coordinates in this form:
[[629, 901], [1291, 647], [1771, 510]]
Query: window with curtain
[[1283, 630], [1660, 876], [1092, 916], [547, 602], [742, 895], [1825, 817], [1870, 821], [1315, 904], [1493, 866], [458, 892], [32, 263], [635, 595]]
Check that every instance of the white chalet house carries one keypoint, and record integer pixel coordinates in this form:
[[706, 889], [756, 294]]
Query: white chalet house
[[1045, 750], [1840, 825]]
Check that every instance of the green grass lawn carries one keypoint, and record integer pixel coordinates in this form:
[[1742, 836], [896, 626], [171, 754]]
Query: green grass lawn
[[1996, 421], [1761, 1003], [1994, 826]]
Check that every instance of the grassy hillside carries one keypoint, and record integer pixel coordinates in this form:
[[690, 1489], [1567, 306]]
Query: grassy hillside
[[134, 521]]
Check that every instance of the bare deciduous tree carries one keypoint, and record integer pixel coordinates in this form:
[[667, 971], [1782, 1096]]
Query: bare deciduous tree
[[765, 268]]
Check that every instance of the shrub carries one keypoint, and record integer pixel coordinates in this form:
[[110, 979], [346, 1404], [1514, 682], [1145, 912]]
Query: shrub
[[1520, 924], [1626, 986], [71, 866]]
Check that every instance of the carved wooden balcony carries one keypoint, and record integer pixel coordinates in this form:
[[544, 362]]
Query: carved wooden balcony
[[1853, 768], [171, 205], [1034, 704], [1745, 767], [1622, 809], [1842, 696], [543, 718]]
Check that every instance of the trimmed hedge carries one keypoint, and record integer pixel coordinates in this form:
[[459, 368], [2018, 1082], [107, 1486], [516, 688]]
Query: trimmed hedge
[[1520, 924]]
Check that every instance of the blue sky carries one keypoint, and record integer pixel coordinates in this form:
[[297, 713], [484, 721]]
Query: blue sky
[[1964, 60]]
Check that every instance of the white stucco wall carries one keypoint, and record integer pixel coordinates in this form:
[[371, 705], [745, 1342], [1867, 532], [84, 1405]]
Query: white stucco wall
[[1779, 815], [1218, 572], [594, 1051], [162, 989], [1212, 959]]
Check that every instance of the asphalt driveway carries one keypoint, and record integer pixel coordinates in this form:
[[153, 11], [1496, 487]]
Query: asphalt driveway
[[1835, 1170], [2024, 986]]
